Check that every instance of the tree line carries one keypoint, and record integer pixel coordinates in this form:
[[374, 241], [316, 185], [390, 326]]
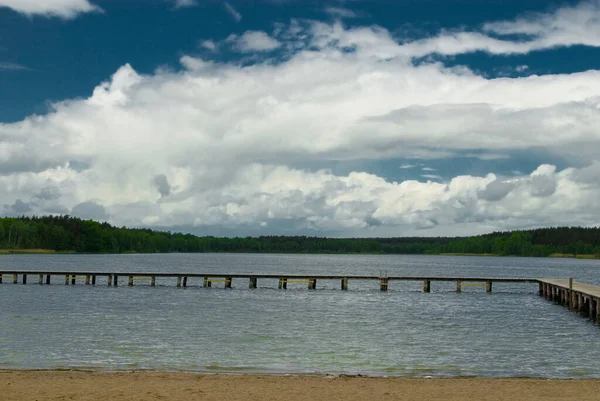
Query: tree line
[[71, 234]]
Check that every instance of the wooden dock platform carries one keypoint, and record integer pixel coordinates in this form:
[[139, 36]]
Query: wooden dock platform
[[580, 297]]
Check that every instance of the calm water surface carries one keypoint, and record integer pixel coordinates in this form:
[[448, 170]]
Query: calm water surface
[[403, 332]]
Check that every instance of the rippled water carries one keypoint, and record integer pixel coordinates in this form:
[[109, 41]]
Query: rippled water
[[404, 332]]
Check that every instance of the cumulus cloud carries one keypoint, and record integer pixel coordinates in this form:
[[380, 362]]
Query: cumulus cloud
[[233, 144], [496, 190], [208, 44], [55, 8], [252, 41], [90, 210]]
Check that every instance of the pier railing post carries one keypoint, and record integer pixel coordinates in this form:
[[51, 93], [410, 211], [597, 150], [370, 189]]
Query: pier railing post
[[15, 278], [228, 282], [178, 281], [345, 284], [458, 286], [116, 283], [252, 282], [488, 286], [73, 279], [153, 281], [207, 282], [87, 279], [110, 280], [131, 281], [185, 282], [282, 283], [426, 285], [24, 278], [93, 279], [312, 283], [41, 279]]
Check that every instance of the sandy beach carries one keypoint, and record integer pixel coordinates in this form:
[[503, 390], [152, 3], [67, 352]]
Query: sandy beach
[[134, 386]]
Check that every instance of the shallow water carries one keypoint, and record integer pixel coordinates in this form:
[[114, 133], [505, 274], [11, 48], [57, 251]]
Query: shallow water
[[404, 332]]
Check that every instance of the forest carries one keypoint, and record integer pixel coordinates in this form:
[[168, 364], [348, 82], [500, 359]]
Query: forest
[[71, 234]]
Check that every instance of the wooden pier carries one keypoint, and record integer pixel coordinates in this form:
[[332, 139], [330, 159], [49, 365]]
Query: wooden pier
[[583, 298], [578, 297], [182, 279]]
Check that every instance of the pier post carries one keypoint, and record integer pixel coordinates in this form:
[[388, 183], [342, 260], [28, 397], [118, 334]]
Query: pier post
[[178, 281], [110, 280], [579, 302], [312, 283], [41, 279], [67, 279], [0, 278], [252, 282], [592, 308], [383, 284], [93, 279], [488, 286], [15, 278], [283, 283], [426, 285], [116, 284], [540, 289], [24, 278], [87, 279], [228, 281], [207, 283], [73, 279], [153, 281], [184, 281], [458, 286], [598, 310], [345, 284], [131, 281]]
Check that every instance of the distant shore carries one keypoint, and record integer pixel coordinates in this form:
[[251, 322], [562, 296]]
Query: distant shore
[[138, 386], [53, 252]]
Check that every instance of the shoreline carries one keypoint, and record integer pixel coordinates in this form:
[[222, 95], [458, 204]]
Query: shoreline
[[45, 385], [13, 252]]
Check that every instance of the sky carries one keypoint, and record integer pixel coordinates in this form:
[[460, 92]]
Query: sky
[[287, 117]]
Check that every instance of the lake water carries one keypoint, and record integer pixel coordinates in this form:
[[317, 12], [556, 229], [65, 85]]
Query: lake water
[[404, 332]]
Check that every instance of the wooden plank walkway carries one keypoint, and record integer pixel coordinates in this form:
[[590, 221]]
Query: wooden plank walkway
[[580, 297], [112, 278]]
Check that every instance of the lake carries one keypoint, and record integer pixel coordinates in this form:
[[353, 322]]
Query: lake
[[402, 332]]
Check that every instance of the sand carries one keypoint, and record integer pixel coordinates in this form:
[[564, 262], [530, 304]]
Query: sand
[[77, 385]]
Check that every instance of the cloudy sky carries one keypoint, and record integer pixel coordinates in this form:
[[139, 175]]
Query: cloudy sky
[[341, 118]]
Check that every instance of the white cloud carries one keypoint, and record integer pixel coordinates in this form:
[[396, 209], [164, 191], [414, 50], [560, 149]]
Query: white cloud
[[185, 3], [254, 41], [208, 44], [340, 12], [56, 8], [232, 11], [428, 169], [521, 68], [5, 66], [219, 144]]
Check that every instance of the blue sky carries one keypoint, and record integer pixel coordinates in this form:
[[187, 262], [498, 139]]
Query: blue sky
[[280, 117]]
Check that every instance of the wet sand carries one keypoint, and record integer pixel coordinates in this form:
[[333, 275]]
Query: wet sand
[[137, 386]]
